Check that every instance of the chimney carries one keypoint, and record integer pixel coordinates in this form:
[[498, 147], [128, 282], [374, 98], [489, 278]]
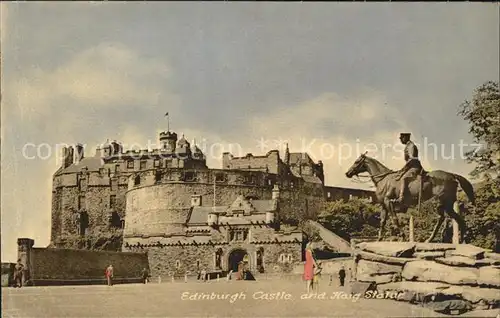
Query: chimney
[[78, 153], [64, 157], [69, 157]]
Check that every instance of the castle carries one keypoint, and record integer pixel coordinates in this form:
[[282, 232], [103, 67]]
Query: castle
[[187, 216]]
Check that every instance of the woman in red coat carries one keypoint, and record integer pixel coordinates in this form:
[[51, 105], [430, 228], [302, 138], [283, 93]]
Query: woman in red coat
[[309, 266]]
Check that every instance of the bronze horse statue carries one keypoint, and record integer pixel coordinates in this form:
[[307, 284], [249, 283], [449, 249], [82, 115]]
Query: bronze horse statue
[[438, 185]]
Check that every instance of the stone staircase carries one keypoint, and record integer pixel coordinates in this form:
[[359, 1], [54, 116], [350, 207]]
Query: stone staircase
[[331, 239]]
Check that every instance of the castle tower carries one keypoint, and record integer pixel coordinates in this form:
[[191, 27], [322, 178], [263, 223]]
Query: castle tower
[[168, 141]]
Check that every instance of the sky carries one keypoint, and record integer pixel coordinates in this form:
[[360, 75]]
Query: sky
[[331, 79]]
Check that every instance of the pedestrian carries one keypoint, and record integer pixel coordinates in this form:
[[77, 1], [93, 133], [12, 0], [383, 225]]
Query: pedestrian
[[145, 275], [309, 266], [109, 275], [342, 275], [18, 274], [317, 274]]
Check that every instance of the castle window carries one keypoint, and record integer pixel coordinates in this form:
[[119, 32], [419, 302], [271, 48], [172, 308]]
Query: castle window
[[177, 264], [83, 223], [220, 177], [137, 180], [122, 224], [189, 176], [270, 182], [291, 184], [81, 202], [117, 168], [282, 258], [115, 220], [156, 163], [112, 201], [130, 164], [328, 195], [158, 176], [289, 258], [143, 165]]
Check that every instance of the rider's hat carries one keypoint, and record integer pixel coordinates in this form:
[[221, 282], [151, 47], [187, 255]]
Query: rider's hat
[[405, 135]]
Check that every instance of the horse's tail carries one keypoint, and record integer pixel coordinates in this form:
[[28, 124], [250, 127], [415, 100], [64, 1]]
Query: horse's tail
[[467, 187]]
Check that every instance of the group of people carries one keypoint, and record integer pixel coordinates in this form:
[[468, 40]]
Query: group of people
[[109, 273], [313, 268]]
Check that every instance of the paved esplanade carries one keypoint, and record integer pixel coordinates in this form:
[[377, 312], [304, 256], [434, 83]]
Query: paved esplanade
[[166, 300]]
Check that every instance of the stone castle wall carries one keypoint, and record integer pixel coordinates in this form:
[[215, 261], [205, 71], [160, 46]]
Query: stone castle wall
[[90, 192], [164, 253], [49, 266], [271, 161]]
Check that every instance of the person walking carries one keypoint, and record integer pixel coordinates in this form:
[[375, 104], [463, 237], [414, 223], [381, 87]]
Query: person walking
[[109, 275], [145, 276], [342, 275], [309, 266]]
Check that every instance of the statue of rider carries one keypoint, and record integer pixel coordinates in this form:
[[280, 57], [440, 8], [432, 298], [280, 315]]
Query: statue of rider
[[411, 169]]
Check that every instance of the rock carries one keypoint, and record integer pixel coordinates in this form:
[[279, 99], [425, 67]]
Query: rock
[[492, 255], [452, 306], [434, 247], [415, 292], [378, 279], [489, 276], [375, 268], [428, 255], [475, 295], [465, 261], [383, 259], [431, 271], [391, 249], [469, 251]]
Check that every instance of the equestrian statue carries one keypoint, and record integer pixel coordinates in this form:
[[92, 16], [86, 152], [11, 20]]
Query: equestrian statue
[[397, 191]]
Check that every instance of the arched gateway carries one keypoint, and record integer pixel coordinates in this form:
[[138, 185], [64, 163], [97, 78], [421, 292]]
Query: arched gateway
[[235, 258]]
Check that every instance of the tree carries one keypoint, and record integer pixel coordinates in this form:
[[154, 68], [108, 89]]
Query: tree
[[352, 218], [482, 219], [483, 114]]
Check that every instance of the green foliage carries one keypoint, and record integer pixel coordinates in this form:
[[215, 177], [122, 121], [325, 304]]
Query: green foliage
[[353, 218], [483, 219], [483, 115], [311, 233]]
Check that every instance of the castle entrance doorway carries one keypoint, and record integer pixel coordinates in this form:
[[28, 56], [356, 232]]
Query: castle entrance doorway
[[235, 258]]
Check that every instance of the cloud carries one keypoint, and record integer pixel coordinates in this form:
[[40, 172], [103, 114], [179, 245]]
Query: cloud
[[105, 76]]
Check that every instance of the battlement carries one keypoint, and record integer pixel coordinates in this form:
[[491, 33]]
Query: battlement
[[207, 176]]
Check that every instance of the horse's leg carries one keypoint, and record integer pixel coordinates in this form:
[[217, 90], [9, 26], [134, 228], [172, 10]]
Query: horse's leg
[[450, 209], [440, 211], [383, 219], [394, 219]]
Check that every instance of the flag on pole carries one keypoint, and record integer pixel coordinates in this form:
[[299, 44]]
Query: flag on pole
[[166, 114]]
